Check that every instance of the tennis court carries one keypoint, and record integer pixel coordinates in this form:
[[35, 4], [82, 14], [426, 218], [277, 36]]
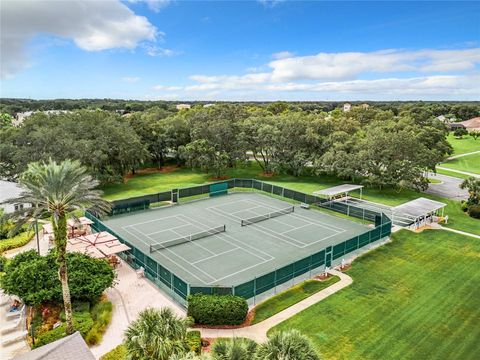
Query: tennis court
[[228, 240]]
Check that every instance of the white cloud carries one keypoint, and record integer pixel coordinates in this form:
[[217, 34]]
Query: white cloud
[[92, 25], [153, 50], [131, 79], [282, 55], [154, 5], [270, 3], [166, 88]]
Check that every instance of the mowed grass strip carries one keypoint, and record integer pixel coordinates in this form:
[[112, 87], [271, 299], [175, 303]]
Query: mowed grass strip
[[468, 163], [415, 298], [290, 297]]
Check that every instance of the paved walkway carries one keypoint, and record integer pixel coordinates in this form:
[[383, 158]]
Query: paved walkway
[[460, 232], [448, 188], [458, 171], [258, 332], [461, 155], [129, 297]]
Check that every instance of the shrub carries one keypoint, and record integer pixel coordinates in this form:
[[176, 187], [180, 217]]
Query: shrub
[[194, 341], [217, 309], [3, 262], [102, 315], [82, 322], [16, 241], [119, 353], [474, 211]]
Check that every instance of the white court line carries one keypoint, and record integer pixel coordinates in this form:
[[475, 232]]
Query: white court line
[[235, 212], [160, 231], [149, 221], [211, 257], [238, 272], [169, 259], [316, 222], [225, 234], [193, 241], [299, 227], [259, 228]]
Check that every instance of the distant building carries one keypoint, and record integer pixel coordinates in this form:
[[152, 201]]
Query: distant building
[[183, 106], [454, 126], [365, 106], [347, 107], [208, 105], [20, 117], [472, 124], [8, 190], [71, 347]]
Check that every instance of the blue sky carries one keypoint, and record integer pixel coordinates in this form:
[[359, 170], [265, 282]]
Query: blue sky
[[249, 50]]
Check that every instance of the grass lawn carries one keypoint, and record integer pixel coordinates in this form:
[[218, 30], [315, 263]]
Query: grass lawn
[[157, 182], [464, 145], [452, 173], [416, 298], [469, 163], [290, 297]]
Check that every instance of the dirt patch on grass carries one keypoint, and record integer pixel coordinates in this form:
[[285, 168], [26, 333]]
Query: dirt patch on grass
[[219, 178], [323, 277], [163, 170], [264, 174]]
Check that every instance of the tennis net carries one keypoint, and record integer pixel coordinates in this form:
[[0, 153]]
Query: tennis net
[[184, 239], [271, 215]]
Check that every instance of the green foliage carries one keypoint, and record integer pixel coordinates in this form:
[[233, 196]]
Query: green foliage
[[377, 309], [82, 321], [474, 211], [217, 309], [156, 335], [101, 314], [119, 353], [475, 134], [18, 240], [3, 263], [194, 341], [233, 349], [472, 185], [290, 297], [460, 132], [34, 278], [287, 345]]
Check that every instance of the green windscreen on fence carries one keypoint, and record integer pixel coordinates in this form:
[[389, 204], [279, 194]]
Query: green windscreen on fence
[[218, 189]]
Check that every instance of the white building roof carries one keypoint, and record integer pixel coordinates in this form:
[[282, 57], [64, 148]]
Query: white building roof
[[336, 190], [419, 207], [8, 190]]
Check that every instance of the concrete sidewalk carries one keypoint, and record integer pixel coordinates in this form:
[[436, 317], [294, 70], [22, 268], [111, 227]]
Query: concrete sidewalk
[[462, 155], [258, 332], [458, 171]]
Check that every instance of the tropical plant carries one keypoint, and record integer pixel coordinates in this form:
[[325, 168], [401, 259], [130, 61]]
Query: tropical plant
[[472, 185], [288, 345], [57, 190], [233, 349], [156, 335]]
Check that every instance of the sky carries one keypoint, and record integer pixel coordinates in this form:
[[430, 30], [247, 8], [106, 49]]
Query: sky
[[240, 50]]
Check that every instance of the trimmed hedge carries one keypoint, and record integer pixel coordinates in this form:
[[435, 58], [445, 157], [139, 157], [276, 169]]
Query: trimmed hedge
[[119, 353], [217, 309], [16, 241], [194, 342]]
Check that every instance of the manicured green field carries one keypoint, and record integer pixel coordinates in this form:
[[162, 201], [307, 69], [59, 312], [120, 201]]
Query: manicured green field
[[290, 297], [151, 183], [416, 298], [464, 145], [469, 163], [452, 173]]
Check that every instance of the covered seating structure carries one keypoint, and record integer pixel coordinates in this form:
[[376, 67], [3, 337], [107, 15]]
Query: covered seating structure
[[422, 211], [338, 191]]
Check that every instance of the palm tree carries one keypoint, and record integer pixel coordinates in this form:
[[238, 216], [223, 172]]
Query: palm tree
[[472, 184], [156, 335], [57, 190], [288, 345], [233, 349]]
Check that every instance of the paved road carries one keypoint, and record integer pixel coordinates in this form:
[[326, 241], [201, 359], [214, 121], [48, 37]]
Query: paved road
[[461, 155], [449, 188]]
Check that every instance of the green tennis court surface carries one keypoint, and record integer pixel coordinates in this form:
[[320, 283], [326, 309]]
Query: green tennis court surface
[[240, 253]]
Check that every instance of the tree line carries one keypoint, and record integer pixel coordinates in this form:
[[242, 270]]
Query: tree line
[[377, 146]]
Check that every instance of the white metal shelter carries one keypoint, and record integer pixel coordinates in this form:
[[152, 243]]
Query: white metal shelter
[[422, 210], [338, 191]]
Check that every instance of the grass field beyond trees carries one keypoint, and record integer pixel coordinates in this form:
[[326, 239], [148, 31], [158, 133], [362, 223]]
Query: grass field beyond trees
[[464, 145], [416, 298], [469, 163]]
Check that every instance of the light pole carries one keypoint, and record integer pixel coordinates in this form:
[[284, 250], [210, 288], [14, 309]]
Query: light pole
[[36, 232]]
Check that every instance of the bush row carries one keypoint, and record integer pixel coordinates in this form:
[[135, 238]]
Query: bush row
[[217, 309], [18, 240]]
